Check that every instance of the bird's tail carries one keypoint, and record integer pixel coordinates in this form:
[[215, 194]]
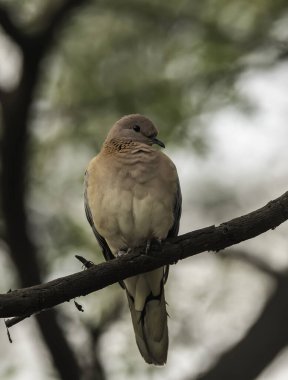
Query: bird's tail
[[147, 305]]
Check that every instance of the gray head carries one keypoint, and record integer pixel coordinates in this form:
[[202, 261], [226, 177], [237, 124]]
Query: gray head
[[135, 128]]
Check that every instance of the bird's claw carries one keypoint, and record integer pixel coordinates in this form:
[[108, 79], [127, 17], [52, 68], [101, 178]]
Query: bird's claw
[[148, 245], [149, 242], [123, 251]]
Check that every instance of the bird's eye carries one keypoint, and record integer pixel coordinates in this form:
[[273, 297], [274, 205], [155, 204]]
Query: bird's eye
[[136, 128]]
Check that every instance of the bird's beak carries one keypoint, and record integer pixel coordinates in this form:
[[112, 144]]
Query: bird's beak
[[158, 142]]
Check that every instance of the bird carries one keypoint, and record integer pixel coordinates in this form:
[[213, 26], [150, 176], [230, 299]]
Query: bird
[[132, 197]]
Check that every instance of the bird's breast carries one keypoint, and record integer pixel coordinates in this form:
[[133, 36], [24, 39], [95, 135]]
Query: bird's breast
[[136, 206]]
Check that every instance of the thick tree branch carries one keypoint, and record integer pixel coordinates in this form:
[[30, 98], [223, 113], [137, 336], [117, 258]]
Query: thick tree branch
[[34, 299], [43, 38], [11, 28]]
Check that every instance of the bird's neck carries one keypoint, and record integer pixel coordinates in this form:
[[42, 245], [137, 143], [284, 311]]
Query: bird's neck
[[115, 146]]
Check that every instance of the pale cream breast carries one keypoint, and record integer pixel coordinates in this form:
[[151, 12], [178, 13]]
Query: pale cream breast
[[135, 200]]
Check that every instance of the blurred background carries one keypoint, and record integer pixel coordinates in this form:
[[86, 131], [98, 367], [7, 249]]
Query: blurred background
[[213, 76]]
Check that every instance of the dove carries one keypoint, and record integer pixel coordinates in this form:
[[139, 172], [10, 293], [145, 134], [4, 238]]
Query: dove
[[133, 197]]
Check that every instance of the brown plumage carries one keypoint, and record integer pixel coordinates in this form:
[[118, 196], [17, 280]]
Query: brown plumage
[[132, 195]]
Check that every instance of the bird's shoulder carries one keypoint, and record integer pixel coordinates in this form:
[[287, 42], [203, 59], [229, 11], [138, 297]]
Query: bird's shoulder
[[166, 164], [97, 165]]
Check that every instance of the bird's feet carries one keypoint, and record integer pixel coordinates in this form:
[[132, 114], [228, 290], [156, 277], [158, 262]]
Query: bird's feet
[[148, 245], [123, 252], [150, 242]]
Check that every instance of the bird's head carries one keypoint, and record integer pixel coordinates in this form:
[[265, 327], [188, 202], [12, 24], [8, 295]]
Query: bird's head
[[135, 128]]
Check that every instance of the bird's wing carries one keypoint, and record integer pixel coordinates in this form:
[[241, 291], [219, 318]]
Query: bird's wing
[[102, 242], [177, 212], [175, 228]]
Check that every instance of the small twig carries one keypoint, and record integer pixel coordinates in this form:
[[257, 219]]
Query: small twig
[[8, 334], [13, 321], [78, 306], [87, 264]]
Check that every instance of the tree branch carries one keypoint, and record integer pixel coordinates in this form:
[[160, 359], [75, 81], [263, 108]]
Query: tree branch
[[10, 28], [36, 298], [43, 38]]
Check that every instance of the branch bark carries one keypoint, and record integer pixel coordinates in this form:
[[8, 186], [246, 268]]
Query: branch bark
[[37, 298]]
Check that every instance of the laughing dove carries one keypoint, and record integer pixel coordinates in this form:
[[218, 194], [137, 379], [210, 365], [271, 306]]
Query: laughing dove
[[132, 196]]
